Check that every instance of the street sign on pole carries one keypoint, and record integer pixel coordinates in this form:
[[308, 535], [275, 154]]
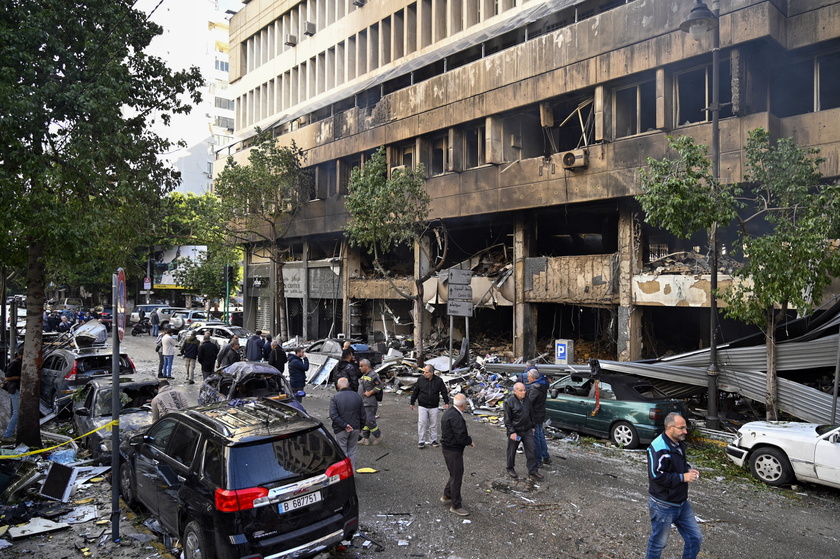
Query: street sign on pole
[[459, 292], [459, 276], [120, 308], [147, 283], [459, 308]]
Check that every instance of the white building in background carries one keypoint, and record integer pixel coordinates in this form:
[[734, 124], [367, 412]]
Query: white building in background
[[196, 34]]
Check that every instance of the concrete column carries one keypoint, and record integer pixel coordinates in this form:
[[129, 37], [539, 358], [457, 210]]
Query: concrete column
[[524, 314], [494, 132], [421, 268], [351, 266], [630, 262], [304, 280], [664, 90]]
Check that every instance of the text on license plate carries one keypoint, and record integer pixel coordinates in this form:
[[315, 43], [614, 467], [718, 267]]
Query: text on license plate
[[298, 502]]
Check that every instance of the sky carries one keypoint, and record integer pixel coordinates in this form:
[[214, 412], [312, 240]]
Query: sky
[[184, 43]]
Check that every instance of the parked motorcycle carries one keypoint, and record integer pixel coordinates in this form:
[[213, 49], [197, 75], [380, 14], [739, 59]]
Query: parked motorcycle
[[142, 327]]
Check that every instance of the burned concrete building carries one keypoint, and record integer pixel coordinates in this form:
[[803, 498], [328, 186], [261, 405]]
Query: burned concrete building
[[532, 119]]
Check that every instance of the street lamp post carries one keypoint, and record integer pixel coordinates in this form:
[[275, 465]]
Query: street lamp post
[[699, 21]]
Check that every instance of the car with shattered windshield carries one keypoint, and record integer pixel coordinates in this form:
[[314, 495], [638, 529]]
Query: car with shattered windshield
[[247, 379], [73, 358], [628, 410], [250, 478], [781, 452], [92, 411]]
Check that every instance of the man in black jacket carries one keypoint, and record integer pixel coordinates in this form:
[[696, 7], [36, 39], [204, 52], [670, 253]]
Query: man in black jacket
[[454, 439], [277, 356], [207, 353], [519, 424], [347, 369], [347, 412], [427, 393]]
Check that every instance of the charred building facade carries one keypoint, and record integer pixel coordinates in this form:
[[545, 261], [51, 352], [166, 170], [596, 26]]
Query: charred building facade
[[532, 118]]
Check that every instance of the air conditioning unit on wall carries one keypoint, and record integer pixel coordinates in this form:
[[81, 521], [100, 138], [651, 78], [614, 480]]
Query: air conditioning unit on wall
[[575, 158], [397, 168], [290, 40], [308, 28]]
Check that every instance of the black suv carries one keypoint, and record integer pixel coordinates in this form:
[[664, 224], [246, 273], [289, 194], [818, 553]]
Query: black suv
[[246, 478]]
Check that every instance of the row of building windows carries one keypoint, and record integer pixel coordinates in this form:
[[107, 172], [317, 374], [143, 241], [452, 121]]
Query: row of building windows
[[404, 32], [407, 30]]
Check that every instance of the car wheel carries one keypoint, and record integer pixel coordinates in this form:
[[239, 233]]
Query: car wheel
[[127, 485], [195, 545], [771, 466], [623, 434]]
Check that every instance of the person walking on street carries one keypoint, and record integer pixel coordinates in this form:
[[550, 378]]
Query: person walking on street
[[189, 349], [370, 387], [668, 477], [159, 350], [207, 353], [167, 349], [277, 356], [167, 400], [537, 394], [266, 351], [155, 320], [428, 390], [11, 384], [454, 439], [254, 347], [347, 412], [347, 369], [298, 367], [229, 354], [519, 425]]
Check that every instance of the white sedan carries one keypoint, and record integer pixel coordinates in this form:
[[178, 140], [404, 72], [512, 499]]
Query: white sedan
[[779, 452]]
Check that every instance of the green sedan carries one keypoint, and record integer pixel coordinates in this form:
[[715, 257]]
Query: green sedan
[[627, 410]]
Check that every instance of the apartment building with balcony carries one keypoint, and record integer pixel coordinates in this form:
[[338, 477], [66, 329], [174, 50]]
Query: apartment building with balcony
[[532, 119]]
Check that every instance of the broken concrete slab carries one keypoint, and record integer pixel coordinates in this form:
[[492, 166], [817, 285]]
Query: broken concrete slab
[[34, 527]]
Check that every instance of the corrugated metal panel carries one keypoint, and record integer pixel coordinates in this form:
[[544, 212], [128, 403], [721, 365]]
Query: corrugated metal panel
[[821, 352]]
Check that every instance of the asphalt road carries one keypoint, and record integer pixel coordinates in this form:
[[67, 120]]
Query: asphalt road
[[591, 504]]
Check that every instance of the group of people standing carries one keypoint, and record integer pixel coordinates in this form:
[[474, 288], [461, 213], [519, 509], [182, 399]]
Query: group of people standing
[[524, 417]]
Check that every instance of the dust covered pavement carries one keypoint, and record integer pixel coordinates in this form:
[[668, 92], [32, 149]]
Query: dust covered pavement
[[592, 503]]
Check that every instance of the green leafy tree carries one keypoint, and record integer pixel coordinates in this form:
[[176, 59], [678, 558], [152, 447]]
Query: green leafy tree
[[197, 220], [388, 212], [80, 164], [789, 263], [260, 200]]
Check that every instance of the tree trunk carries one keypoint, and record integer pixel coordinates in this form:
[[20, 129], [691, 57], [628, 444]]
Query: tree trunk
[[772, 413], [281, 322], [28, 427], [419, 314]]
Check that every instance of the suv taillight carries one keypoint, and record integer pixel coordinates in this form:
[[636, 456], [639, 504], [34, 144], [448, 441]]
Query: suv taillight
[[239, 499], [343, 469], [72, 374], [131, 364], [655, 414]]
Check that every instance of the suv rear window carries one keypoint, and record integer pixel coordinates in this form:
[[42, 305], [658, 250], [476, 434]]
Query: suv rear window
[[100, 363], [298, 456]]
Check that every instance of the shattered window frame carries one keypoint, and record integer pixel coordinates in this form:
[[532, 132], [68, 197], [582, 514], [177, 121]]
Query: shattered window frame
[[817, 80], [634, 109], [688, 109]]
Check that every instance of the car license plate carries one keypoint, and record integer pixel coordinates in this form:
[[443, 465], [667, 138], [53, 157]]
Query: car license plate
[[299, 502]]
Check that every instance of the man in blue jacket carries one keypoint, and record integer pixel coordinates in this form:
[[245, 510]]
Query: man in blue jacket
[[668, 477], [298, 367]]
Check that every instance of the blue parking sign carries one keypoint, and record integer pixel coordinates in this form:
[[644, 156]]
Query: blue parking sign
[[560, 350]]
